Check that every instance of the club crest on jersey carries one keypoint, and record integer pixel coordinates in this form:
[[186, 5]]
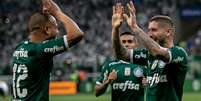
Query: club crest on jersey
[[138, 72], [127, 71]]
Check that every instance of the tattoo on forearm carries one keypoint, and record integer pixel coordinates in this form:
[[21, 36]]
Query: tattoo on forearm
[[147, 41], [154, 48]]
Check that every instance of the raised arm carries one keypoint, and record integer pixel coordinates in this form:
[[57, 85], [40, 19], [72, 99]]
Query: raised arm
[[73, 32], [119, 50], [154, 48]]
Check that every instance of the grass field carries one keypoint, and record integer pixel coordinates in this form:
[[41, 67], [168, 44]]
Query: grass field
[[106, 97], [81, 97]]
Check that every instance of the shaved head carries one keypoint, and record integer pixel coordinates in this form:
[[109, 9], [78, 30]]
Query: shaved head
[[39, 19]]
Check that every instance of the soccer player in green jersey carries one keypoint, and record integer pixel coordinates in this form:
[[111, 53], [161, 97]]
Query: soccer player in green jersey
[[167, 63], [124, 78], [33, 59]]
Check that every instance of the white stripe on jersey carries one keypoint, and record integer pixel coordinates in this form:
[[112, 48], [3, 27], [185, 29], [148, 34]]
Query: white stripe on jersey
[[170, 55], [65, 41], [131, 55]]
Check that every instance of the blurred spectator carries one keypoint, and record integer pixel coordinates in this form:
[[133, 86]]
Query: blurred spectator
[[93, 16]]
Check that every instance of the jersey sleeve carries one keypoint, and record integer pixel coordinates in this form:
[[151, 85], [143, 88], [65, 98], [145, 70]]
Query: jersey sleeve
[[53, 47], [178, 55], [104, 74], [139, 56]]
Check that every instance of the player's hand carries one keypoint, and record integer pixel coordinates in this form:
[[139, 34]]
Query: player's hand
[[51, 7], [131, 19], [112, 76], [144, 82], [117, 16]]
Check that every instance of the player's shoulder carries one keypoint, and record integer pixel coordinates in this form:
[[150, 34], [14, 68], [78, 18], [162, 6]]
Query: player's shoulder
[[117, 62], [26, 46], [178, 55], [22, 44], [179, 49]]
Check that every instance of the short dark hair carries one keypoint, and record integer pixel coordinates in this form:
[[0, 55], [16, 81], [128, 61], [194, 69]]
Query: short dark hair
[[129, 33], [126, 33], [162, 19], [38, 19]]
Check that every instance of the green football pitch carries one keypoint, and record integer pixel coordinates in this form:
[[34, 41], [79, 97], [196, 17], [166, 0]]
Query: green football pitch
[[106, 97]]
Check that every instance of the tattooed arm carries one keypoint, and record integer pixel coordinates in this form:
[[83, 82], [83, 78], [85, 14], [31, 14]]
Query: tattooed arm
[[119, 50], [154, 48]]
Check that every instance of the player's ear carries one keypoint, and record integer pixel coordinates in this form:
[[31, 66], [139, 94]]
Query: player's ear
[[46, 30], [170, 31]]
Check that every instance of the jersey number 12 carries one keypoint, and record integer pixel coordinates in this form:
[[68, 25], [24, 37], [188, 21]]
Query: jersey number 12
[[20, 72]]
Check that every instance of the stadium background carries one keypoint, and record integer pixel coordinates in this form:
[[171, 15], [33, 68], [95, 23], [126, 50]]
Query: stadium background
[[82, 64]]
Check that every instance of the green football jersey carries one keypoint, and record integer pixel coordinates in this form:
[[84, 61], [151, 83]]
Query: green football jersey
[[127, 86], [32, 65], [165, 79]]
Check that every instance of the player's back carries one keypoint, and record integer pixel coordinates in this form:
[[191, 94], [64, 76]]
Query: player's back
[[31, 72], [32, 64]]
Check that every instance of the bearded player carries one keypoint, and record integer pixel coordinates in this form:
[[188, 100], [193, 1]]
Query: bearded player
[[167, 63]]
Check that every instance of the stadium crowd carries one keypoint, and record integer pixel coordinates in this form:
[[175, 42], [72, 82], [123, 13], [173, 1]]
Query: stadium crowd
[[93, 16]]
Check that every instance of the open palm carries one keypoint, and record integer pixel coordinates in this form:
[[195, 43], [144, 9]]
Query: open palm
[[131, 19], [117, 16]]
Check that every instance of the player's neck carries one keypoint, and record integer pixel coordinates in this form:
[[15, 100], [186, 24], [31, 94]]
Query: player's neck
[[36, 37], [168, 44]]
